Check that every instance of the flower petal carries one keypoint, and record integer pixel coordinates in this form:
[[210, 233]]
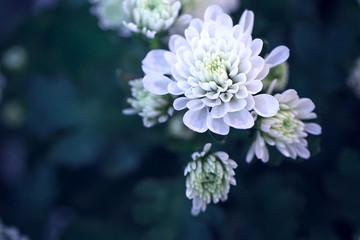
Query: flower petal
[[277, 56], [196, 120], [313, 128], [217, 126], [156, 62], [174, 89], [266, 105], [195, 104], [256, 46], [304, 105], [219, 111], [254, 86], [212, 12], [301, 150], [224, 19], [180, 103], [156, 83], [247, 21], [240, 120], [251, 152]]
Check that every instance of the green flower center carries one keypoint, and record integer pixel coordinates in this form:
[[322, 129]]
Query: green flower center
[[153, 5], [215, 65]]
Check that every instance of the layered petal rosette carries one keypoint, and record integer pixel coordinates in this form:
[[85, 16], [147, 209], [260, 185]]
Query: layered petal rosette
[[215, 71], [151, 16], [152, 108], [208, 178], [286, 130]]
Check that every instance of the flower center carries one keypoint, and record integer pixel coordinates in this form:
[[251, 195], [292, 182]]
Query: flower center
[[214, 65], [286, 126], [153, 5]]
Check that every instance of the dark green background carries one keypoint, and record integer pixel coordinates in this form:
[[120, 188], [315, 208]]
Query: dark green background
[[75, 168]]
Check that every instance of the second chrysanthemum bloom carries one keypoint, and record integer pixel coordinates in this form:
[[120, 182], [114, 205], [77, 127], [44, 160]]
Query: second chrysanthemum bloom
[[286, 130], [215, 71]]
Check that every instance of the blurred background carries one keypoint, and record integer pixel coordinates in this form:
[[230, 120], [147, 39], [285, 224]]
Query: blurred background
[[73, 167]]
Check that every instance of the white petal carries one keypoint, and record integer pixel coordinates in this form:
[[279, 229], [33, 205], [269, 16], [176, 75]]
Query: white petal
[[196, 120], [254, 86], [174, 89], [180, 103], [197, 24], [266, 105], [306, 116], [313, 128], [219, 111], [223, 156], [156, 83], [191, 33], [301, 150], [156, 62], [237, 104], [206, 148], [224, 19], [256, 46], [247, 21], [195, 104], [212, 12], [170, 58], [277, 56], [259, 147], [172, 42], [218, 126], [240, 120], [129, 111], [250, 154], [304, 105]]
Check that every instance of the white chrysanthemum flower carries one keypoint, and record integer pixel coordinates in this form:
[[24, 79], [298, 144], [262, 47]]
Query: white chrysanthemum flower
[[10, 233], [216, 72], [151, 16], [208, 177], [354, 78], [286, 130], [152, 108], [196, 8], [111, 15]]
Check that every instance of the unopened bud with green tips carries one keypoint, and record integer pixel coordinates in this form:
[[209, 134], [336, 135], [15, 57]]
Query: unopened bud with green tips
[[208, 178]]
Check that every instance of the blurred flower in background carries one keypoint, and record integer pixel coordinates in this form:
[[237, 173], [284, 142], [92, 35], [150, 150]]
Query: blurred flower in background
[[354, 78], [15, 58], [111, 15], [196, 8], [208, 178], [13, 114], [280, 73], [176, 128], [286, 130], [10, 233]]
